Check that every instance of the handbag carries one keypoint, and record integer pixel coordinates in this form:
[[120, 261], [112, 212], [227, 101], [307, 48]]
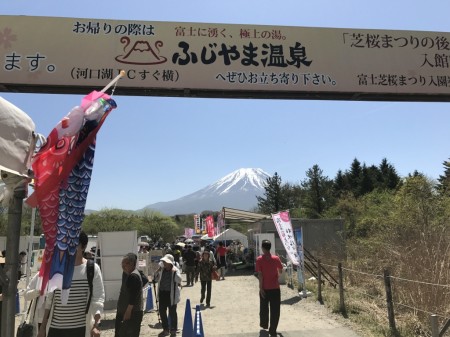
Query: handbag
[[25, 329], [214, 275]]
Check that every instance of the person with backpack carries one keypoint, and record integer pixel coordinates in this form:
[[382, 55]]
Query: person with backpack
[[79, 314], [130, 304]]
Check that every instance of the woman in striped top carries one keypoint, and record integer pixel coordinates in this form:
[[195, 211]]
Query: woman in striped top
[[67, 316]]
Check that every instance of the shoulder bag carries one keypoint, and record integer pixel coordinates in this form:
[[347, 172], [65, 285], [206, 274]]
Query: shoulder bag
[[26, 329]]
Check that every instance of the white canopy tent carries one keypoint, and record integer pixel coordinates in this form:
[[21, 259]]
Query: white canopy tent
[[229, 234]]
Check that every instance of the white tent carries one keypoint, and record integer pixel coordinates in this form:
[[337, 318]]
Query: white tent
[[206, 237], [18, 139], [232, 234]]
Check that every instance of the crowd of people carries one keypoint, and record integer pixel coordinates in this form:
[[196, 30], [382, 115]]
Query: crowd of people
[[77, 313]]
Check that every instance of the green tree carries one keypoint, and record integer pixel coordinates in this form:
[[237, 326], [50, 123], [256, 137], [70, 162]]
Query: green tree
[[110, 220], [417, 204], [366, 181], [354, 177], [146, 222], [348, 208], [157, 225], [317, 192], [272, 201], [444, 180], [340, 184], [389, 179]]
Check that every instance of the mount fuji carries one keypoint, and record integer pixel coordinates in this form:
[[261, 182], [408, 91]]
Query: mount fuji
[[236, 190]]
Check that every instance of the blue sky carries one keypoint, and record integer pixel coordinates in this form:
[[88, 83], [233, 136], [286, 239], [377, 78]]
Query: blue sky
[[158, 149]]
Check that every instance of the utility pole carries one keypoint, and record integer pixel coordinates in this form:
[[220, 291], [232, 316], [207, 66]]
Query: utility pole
[[8, 275]]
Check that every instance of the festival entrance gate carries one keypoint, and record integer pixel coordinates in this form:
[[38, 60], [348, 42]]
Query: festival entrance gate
[[71, 55]]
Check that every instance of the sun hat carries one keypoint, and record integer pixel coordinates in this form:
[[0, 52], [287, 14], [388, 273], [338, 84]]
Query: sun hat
[[168, 259]]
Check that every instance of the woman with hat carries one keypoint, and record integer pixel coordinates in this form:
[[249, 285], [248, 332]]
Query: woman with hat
[[205, 268], [169, 280]]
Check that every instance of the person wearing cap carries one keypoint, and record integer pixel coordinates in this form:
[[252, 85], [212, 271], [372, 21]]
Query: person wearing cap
[[204, 269], [169, 280]]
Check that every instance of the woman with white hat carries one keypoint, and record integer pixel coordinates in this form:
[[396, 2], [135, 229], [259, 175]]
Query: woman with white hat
[[169, 280]]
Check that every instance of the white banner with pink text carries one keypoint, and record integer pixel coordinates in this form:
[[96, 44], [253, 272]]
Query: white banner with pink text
[[283, 224]]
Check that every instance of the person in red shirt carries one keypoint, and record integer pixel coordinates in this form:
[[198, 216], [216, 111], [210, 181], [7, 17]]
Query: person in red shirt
[[221, 259], [269, 268]]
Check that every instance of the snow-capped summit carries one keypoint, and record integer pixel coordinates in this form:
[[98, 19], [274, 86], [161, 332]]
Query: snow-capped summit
[[236, 190], [243, 179]]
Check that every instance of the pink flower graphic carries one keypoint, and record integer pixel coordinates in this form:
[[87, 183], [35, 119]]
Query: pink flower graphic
[[284, 216], [6, 38]]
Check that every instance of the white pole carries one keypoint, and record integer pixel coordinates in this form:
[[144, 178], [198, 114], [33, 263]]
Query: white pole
[[114, 81], [29, 253]]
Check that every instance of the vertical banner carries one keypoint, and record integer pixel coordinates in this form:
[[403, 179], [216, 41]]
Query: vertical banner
[[188, 232], [301, 264], [203, 226], [197, 228], [220, 223], [283, 224], [210, 225]]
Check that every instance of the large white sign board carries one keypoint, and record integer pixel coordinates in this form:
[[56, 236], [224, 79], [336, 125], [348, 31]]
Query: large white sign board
[[113, 246], [259, 239], [223, 60]]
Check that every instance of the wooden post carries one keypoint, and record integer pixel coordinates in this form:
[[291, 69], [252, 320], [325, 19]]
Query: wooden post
[[341, 291], [434, 326], [390, 304], [319, 282]]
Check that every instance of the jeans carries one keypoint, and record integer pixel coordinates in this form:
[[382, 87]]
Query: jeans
[[206, 286], [272, 298], [164, 304], [129, 328]]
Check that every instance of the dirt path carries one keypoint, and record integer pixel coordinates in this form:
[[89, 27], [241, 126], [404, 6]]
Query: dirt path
[[234, 311]]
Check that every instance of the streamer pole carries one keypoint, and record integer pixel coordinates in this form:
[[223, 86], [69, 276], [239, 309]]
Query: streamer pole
[[114, 81]]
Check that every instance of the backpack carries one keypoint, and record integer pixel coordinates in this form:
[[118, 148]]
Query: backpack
[[90, 277]]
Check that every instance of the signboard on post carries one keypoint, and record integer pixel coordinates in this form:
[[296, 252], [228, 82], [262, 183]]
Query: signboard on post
[[222, 60]]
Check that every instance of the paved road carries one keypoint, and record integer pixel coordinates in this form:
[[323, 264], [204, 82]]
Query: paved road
[[235, 312]]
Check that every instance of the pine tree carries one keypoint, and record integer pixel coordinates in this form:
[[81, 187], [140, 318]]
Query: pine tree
[[444, 180], [317, 192], [366, 183], [340, 184], [273, 200], [354, 177], [389, 178]]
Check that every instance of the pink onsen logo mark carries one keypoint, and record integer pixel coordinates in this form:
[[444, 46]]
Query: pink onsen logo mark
[[6, 37], [141, 52], [284, 216]]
